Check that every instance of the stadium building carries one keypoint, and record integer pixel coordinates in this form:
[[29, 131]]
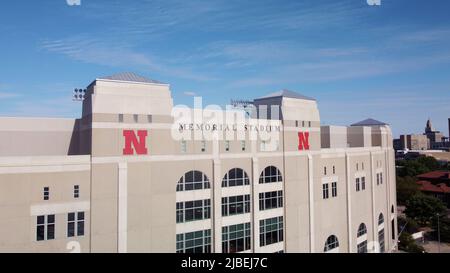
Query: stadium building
[[136, 174]]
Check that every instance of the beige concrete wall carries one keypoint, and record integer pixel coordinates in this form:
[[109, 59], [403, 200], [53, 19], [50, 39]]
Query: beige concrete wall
[[37, 136], [22, 193]]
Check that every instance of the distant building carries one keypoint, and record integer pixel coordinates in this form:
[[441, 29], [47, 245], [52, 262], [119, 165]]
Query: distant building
[[414, 142], [436, 138]]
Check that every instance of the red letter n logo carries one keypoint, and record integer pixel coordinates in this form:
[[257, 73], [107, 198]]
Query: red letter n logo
[[132, 141], [303, 141]]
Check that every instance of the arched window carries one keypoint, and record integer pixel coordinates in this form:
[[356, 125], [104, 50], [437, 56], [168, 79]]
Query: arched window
[[193, 180], [362, 230], [331, 244], [362, 238], [380, 219], [235, 177], [269, 175]]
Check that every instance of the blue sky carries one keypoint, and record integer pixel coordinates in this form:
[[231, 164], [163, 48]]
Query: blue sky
[[389, 62]]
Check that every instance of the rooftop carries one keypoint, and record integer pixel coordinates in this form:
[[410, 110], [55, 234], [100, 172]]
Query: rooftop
[[435, 175], [286, 94], [428, 186], [369, 122], [129, 77]]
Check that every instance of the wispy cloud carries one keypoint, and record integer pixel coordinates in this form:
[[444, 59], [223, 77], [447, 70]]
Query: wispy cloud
[[98, 52], [190, 94], [8, 95]]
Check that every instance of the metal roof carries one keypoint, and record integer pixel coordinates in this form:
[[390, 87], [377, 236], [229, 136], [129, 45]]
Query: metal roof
[[286, 94], [129, 77], [369, 122]]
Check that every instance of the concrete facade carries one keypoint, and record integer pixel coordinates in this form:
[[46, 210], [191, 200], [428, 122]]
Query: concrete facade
[[334, 188]]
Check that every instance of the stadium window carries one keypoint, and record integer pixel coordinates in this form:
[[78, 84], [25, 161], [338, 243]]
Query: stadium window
[[235, 177], [325, 191], [270, 231], [236, 238], [331, 243], [46, 193], [45, 227], [76, 191], [334, 189], [193, 180]]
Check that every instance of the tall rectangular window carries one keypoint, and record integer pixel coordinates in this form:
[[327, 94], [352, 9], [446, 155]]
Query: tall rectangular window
[[46, 193], [45, 227], [378, 179], [149, 118], [334, 169], [121, 118], [236, 238], [381, 178], [76, 191], [357, 184], [381, 240], [136, 118], [363, 183], [233, 205], [193, 210], [325, 193], [75, 224], [334, 189], [194, 242], [270, 231], [324, 170], [270, 200]]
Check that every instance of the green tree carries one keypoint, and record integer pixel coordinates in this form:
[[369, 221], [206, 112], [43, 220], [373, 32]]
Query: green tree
[[422, 208], [406, 188], [420, 165], [408, 244]]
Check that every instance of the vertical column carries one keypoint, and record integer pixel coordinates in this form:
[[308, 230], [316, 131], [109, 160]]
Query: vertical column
[[374, 214], [311, 204], [387, 220], [122, 195], [217, 201], [255, 204], [349, 180]]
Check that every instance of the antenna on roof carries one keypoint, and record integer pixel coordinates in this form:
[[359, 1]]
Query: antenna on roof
[[79, 94], [245, 105]]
